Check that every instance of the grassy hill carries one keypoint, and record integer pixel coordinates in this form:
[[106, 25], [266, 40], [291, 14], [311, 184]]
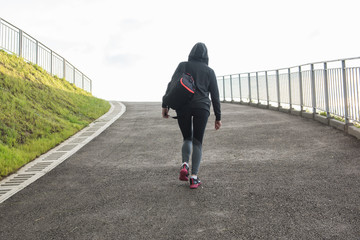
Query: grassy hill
[[38, 111]]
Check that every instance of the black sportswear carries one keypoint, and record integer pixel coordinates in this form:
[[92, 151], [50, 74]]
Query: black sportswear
[[205, 80]]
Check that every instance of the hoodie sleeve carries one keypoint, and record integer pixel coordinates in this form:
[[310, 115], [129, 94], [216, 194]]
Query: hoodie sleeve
[[215, 97]]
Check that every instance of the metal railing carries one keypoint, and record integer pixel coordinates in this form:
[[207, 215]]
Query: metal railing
[[331, 88], [16, 41]]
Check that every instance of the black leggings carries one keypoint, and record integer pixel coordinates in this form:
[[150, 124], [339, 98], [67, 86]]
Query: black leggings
[[192, 123]]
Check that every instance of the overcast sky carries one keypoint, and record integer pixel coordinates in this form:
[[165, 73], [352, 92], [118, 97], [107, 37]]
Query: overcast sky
[[130, 49]]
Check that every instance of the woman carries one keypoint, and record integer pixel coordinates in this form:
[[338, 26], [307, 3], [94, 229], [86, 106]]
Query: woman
[[192, 117]]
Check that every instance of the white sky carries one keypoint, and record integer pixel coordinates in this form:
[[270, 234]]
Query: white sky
[[130, 49]]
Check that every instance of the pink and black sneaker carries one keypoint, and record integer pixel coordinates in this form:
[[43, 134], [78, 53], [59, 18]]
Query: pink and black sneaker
[[184, 172], [194, 183]]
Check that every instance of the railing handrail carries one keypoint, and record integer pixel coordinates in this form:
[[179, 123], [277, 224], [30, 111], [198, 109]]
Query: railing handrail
[[36, 52], [296, 66]]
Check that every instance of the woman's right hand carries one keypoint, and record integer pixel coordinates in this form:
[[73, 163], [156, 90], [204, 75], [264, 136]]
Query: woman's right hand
[[165, 112], [217, 125]]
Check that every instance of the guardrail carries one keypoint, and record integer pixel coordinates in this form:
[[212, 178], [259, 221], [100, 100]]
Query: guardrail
[[16, 41], [331, 88]]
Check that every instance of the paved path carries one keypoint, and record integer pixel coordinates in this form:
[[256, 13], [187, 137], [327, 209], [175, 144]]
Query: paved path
[[48, 161], [266, 175]]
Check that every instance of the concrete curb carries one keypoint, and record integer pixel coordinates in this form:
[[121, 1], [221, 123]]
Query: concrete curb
[[307, 115], [295, 112], [354, 131], [351, 130], [337, 124], [48, 161], [322, 119]]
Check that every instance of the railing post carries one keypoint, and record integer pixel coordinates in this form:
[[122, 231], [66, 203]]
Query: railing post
[[51, 62], [313, 90], [37, 52], [301, 91], [278, 88], [74, 76], [231, 89], [224, 87], [240, 88], [64, 68], [20, 42], [290, 100], [346, 117], [326, 91], [1, 34], [83, 86], [267, 90], [257, 87], [249, 88]]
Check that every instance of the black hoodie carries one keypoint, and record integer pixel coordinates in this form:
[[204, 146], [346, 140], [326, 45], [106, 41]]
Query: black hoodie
[[205, 80]]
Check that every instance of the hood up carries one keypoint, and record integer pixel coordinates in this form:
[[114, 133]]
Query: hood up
[[199, 53]]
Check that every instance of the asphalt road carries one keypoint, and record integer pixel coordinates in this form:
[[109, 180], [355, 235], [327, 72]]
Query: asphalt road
[[265, 174]]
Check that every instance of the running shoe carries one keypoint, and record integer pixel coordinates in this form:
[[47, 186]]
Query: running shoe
[[194, 183], [184, 172]]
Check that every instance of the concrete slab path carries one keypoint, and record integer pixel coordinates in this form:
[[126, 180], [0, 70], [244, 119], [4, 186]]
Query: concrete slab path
[[265, 174]]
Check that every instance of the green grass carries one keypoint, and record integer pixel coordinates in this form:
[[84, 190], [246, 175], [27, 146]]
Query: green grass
[[341, 119], [323, 114], [38, 111]]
